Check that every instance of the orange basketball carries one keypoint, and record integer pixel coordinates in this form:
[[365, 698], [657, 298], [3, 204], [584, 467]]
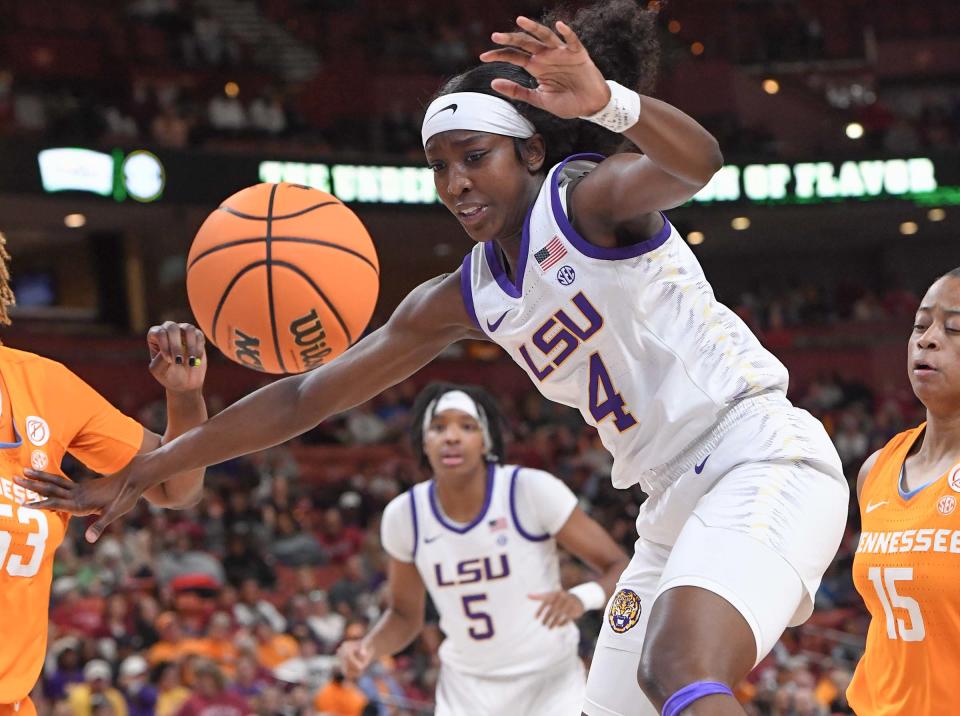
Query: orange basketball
[[282, 277]]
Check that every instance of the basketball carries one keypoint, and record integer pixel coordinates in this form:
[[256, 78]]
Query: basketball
[[282, 278]]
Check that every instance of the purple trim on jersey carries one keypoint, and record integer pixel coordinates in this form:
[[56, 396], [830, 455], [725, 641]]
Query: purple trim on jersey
[[584, 246], [466, 289], [513, 511], [413, 516], [476, 520], [513, 288], [693, 692]]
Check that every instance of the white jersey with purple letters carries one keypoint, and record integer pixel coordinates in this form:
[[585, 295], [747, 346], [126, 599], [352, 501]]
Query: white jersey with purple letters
[[633, 337], [480, 575]]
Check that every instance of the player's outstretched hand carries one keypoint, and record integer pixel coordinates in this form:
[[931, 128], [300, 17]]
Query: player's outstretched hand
[[557, 608], [570, 85], [354, 657], [111, 496], [177, 356]]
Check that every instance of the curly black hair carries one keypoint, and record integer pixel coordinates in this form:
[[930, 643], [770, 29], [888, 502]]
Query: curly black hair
[[621, 37], [480, 396]]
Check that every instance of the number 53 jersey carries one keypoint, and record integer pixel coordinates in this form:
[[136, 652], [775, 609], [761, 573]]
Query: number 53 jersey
[[907, 569], [45, 412], [630, 336]]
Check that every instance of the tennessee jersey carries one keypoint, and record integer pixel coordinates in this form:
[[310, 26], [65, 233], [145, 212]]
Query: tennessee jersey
[[46, 411], [907, 569], [630, 336]]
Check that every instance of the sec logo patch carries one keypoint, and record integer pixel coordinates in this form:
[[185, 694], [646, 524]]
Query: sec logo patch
[[625, 611], [38, 460], [947, 504], [38, 432]]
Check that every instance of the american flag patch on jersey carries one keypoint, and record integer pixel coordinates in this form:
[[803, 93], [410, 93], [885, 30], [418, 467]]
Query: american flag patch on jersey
[[498, 524], [551, 253]]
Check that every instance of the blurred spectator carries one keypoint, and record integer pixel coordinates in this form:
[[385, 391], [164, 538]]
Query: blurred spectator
[[90, 697], [210, 698], [134, 683], [340, 697]]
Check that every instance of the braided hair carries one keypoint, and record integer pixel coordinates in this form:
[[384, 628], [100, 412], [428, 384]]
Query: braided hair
[[7, 298]]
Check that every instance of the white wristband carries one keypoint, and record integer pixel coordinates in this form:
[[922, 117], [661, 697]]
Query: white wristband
[[621, 112], [590, 594]]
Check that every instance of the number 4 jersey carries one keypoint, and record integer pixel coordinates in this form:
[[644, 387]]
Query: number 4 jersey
[[907, 569], [480, 575], [631, 336], [45, 412]]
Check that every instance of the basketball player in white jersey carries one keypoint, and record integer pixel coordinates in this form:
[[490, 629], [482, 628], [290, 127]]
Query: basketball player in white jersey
[[481, 537], [582, 280]]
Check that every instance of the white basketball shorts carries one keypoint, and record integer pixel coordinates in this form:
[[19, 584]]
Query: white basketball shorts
[[757, 522]]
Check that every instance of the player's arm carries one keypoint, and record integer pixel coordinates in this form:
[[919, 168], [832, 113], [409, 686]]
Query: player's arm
[[396, 628], [679, 155], [429, 319], [178, 362], [584, 538], [864, 471]]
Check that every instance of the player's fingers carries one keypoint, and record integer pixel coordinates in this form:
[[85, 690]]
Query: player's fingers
[[543, 33], [511, 89], [519, 40], [190, 342], [109, 515], [48, 478], [157, 360], [44, 489], [569, 36], [514, 57], [159, 342], [51, 503], [153, 340], [175, 337]]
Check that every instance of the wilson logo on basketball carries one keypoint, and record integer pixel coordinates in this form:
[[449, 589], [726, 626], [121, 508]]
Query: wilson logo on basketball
[[308, 333], [247, 349]]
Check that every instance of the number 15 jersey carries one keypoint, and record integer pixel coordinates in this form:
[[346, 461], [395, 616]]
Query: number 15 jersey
[[45, 412], [907, 569], [631, 336]]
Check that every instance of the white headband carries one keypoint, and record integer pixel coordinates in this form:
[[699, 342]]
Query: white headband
[[474, 110], [458, 400]]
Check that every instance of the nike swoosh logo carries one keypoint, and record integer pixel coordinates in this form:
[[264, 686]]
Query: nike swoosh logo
[[874, 505], [699, 468], [496, 324], [449, 106], [428, 540]]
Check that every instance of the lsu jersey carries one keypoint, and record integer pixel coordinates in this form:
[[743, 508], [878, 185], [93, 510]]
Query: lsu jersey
[[632, 336], [480, 575], [907, 569], [46, 411]]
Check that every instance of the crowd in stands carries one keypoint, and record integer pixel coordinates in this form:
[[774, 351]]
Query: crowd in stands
[[170, 73], [237, 606], [772, 309]]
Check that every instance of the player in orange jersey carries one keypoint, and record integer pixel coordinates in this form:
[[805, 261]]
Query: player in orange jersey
[[907, 565], [45, 412]]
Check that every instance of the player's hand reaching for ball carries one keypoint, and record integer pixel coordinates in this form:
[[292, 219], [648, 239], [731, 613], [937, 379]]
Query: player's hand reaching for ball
[[177, 356], [558, 608], [354, 657], [570, 85]]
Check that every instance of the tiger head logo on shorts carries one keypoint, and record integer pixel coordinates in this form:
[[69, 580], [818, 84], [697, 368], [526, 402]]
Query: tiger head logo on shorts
[[624, 611]]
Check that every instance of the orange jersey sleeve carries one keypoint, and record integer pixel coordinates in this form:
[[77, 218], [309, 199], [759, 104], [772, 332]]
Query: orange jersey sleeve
[[45, 411], [100, 436], [907, 569]]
